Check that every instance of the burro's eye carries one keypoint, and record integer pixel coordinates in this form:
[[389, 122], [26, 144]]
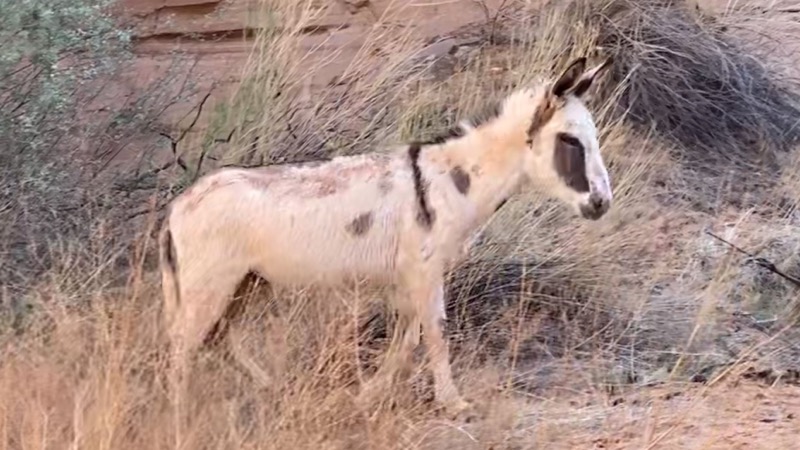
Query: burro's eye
[[569, 161], [570, 140]]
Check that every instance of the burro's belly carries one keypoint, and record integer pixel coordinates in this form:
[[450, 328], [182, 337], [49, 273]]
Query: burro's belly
[[297, 253]]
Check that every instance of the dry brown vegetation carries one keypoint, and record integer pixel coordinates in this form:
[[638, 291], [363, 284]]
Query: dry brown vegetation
[[639, 331]]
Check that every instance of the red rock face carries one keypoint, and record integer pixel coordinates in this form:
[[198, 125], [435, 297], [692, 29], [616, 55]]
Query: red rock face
[[220, 26], [213, 38]]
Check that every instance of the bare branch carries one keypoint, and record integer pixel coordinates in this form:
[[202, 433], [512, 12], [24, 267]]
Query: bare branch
[[763, 262]]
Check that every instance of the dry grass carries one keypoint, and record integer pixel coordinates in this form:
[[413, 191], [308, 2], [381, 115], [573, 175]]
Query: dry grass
[[558, 326]]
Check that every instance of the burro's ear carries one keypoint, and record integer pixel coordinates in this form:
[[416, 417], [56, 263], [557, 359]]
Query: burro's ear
[[569, 77], [586, 80]]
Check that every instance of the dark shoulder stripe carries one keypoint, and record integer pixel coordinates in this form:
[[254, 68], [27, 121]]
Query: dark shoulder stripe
[[424, 214]]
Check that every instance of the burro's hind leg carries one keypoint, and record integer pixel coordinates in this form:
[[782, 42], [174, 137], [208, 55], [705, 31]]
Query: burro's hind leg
[[396, 364], [205, 295]]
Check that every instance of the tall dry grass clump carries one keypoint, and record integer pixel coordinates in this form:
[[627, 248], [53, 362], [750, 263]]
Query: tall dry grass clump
[[691, 81], [274, 117], [549, 315]]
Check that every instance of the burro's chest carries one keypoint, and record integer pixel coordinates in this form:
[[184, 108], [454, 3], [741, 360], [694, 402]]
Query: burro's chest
[[456, 226]]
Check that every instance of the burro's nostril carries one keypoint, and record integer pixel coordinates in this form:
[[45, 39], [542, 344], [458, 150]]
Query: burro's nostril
[[598, 202], [595, 207]]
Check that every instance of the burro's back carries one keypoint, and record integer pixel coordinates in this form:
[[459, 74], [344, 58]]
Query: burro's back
[[325, 222]]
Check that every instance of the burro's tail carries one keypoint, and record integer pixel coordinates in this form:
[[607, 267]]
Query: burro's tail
[[169, 272], [168, 260]]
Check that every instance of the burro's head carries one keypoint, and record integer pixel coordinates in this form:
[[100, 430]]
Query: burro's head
[[563, 156]]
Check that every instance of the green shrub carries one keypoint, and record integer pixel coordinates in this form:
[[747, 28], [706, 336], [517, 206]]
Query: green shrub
[[52, 55], [49, 49]]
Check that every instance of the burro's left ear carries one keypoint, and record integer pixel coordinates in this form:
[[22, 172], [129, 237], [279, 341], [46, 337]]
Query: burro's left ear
[[569, 77], [586, 80]]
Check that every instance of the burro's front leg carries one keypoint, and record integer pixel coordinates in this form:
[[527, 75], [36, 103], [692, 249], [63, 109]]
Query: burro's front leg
[[427, 294]]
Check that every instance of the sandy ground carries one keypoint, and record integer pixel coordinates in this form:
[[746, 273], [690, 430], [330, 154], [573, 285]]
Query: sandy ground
[[744, 415]]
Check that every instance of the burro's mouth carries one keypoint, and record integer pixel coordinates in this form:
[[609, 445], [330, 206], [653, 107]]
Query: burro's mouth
[[594, 210]]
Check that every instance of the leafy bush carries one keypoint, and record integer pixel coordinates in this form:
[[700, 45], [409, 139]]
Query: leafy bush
[[50, 48], [51, 52]]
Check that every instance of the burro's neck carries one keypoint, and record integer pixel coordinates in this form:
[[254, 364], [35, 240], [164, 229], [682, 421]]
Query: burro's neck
[[492, 157]]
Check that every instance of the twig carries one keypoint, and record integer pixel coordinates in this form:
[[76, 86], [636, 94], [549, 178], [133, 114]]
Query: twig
[[763, 262], [196, 116], [144, 211], [227, 140], [174, 142]]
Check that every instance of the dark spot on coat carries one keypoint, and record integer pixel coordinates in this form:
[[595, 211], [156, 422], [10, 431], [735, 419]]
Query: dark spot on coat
[[460, 179], [570, 162], [360, 225], [385, 183], [425, 216]]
